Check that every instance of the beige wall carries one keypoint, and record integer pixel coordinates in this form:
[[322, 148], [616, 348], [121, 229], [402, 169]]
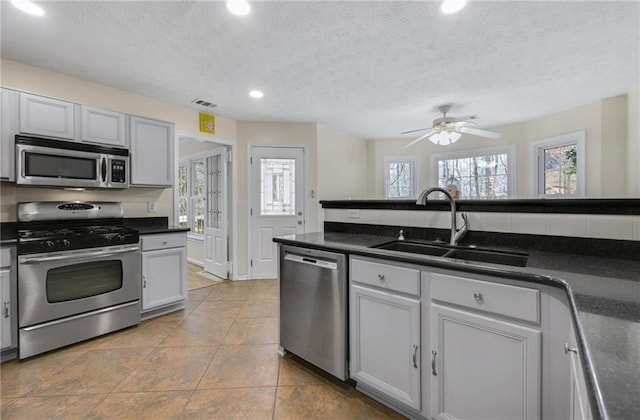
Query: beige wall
[[19, 76], [342, 165], [605, 123], [633, 142]]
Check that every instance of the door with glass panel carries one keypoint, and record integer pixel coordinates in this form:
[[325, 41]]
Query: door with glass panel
[[276, 200], [215, 228]]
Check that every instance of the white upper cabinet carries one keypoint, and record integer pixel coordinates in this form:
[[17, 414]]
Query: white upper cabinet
[[152, 152], [102, 126], [8, 123], [48, 117]]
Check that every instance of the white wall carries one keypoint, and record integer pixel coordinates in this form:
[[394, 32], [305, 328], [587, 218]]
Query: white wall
[[633, 141]]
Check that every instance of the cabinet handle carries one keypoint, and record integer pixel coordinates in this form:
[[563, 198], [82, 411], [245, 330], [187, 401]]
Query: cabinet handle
[[165, 242], [144, 282], [415, 356], [477, 296], [568, 349], [6, 309], [433, 362], [381, 277]]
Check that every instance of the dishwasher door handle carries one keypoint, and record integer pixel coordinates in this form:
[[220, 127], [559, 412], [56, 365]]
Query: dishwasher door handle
[[332, 265]]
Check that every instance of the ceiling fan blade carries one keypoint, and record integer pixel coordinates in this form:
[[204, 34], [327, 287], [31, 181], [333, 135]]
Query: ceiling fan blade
[[466, 118], [413, 131], [481, 133], [431, 132], [463, 123]]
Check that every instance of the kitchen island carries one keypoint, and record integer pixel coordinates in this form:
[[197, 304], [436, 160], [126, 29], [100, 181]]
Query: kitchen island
[[603, 295]]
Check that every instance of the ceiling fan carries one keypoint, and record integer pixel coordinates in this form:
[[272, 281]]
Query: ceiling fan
[[447, 130]]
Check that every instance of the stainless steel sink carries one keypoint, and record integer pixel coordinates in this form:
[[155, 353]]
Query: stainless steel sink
[[492, 256]]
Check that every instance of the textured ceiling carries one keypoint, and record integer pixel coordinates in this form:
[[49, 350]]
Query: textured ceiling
[[369, 68]]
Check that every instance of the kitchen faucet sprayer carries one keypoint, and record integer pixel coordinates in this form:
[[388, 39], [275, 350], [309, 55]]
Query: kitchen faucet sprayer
[[456, 234]]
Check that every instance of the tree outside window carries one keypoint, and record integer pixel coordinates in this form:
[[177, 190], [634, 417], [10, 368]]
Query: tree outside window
[[477, 174], [401, 176], [559, 166]]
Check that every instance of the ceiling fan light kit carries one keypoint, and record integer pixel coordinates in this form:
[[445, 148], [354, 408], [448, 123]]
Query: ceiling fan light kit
[[448, 130]]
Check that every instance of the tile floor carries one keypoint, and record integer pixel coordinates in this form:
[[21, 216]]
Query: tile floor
[[215, 360]]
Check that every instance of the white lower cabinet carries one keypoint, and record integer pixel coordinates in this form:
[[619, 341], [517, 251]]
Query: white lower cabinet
[[580, 409], [385, 331], [482, 367], [5, 299], [164, 270]]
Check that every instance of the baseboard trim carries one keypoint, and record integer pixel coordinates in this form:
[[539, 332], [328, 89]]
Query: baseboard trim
[[196, 262]]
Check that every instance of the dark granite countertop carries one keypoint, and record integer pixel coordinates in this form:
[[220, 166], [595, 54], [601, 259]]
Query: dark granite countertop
[[604, 295], [152, 225]]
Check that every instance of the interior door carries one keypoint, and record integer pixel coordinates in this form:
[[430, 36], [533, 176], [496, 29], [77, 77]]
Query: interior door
[[276, 203], [215, 230]]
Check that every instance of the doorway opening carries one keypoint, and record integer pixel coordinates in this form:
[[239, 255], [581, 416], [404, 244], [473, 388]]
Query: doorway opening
[[203, 203]]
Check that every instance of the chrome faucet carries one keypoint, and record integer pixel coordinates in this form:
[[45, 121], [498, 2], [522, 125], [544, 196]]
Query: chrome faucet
[[456, 234]]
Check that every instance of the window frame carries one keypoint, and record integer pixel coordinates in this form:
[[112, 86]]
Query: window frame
[[189, 162], [509, 150], [415, 178], [537, 163]]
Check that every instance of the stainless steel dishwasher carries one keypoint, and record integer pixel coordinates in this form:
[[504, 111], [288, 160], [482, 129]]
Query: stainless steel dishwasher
[[313, 307]]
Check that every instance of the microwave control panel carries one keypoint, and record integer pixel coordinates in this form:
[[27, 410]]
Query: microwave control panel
[[118, 171]]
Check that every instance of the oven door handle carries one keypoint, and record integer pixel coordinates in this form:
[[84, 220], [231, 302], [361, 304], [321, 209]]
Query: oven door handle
[[29, 260]]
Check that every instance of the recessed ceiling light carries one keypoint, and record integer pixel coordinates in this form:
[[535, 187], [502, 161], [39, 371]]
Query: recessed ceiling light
[[239, 7], [28, 7], [256, 94], [452, 6]]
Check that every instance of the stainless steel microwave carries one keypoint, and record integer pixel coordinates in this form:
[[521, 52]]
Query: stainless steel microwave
[[56, 163]]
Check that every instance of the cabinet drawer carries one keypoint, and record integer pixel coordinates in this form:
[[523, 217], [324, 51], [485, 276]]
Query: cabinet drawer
[[401, 279], [163, 241], [513, 301]]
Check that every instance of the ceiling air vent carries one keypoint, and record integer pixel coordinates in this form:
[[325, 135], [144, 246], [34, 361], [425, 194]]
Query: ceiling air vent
[[204, 103]]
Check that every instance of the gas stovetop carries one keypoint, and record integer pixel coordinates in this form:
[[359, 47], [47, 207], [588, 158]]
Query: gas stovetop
[[61, 226], [52, 239]]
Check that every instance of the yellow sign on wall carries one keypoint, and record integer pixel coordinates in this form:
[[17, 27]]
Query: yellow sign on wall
[[207, 123]]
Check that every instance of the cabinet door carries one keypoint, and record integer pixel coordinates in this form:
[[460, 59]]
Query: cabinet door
[[385, 339], [163, 277], [483, 368], [46, 116], [5, 300], [580, 409], [8, 129], [152, 152], [101, 126]]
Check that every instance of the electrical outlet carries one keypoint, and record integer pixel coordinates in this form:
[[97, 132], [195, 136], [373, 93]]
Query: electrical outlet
[[151, 207], [353, 214]]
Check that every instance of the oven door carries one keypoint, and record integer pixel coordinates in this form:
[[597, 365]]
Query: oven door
[[60, 284]]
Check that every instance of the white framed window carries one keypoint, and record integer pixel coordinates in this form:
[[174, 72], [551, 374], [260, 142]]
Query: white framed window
[[477, 173], [558, 166], [192, 197], [401, 174]]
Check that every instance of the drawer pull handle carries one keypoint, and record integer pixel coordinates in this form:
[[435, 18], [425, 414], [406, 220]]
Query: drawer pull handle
[[415, 356], [6, 309], [568, 349], [165, 242], [433, 362], [381, 277], [477, 296]]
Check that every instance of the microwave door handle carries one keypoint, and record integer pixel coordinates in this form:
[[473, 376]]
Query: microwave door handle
[[103, 169]]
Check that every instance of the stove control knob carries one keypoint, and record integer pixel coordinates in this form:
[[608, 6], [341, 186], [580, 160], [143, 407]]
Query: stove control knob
[[120, 237], [65, 243], [49, 244]]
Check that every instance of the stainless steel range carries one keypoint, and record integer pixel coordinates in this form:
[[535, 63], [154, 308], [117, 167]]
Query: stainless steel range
[[78, 273]]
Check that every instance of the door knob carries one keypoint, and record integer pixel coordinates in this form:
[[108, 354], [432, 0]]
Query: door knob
[[299, 222]]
